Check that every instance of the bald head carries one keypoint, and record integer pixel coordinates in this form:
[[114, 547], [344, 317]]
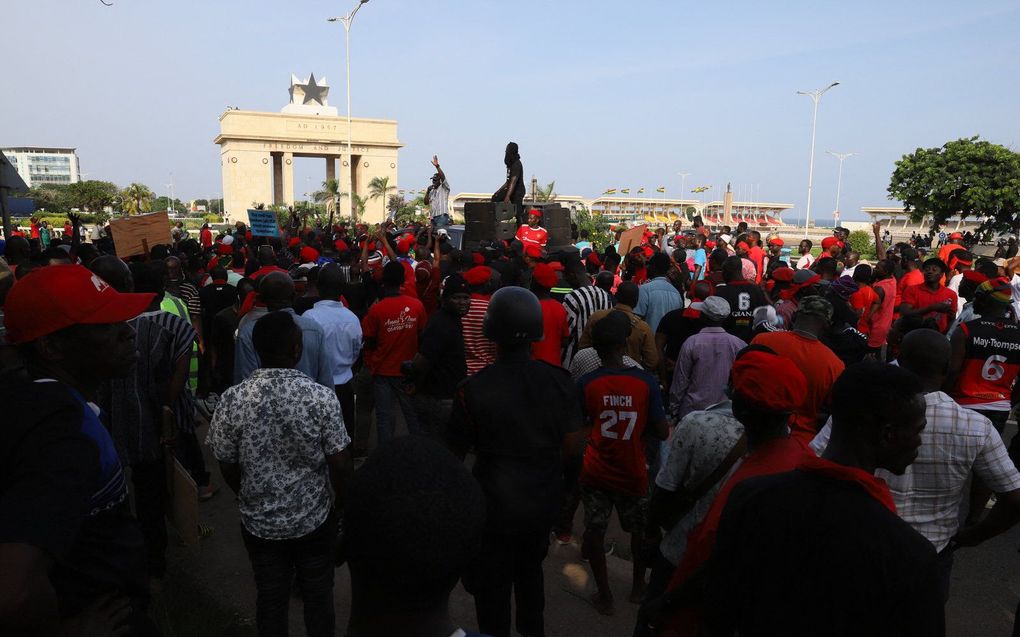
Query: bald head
[[925, 353], [604, 280], [276, 290], [173, 267], [266, 255], [114, 271]]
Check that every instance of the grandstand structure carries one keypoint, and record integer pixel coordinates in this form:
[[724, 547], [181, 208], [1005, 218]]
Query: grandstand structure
[[896, 221], [659, 210]]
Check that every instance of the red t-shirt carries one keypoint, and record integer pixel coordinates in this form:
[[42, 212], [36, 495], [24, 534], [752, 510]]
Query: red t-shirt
[[757, 256], [205, 238], [918, 296], [862, 300], [618, 404], [910, 278], [395, 322], [532, 236], [427, 279], [554, 332]]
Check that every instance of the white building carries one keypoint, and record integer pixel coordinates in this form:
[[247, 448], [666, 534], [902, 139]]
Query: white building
[[39, 166]]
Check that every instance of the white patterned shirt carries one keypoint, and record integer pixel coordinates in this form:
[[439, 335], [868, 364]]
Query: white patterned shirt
[[439, 200], [955, 441], [587, 360], [697, 446], [279, 425]]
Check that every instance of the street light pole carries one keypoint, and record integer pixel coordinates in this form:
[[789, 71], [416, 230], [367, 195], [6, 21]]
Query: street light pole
[[815, 96], [839, 181], [683, 189], [346, 20]]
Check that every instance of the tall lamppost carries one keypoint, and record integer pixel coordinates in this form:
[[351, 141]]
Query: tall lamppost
[[683, 189], [346, 20], [839, 181], [815, 96]]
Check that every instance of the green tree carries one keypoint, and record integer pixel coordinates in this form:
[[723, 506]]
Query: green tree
[[380, 188], [137, 198], [50, 197], [91, 195], [548, 193], [360, 203], [329, 196], [863, 243], [967, 177], [596, 225], [691, 211], [162, 203]]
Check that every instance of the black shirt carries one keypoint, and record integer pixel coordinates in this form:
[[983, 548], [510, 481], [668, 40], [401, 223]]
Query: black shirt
[[677, 328], [224, 325], [214, 297], [744, 298], [516, 169], [55, 495], [442, 344], [802, 553], [305, 303], [516, 413]]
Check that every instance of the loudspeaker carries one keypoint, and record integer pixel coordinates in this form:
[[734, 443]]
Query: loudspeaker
[[490, 211]]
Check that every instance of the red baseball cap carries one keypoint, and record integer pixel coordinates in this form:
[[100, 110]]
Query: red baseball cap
[[535, 211], [956, 235], [768, 381], [59, 296], [828, 242], [544, 275], [776, 241], [309, 254]]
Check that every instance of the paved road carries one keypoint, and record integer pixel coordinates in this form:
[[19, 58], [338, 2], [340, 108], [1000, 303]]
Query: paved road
[[216, 585]]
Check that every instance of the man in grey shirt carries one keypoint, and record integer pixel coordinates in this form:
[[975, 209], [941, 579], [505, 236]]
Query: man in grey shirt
[[437, 198]]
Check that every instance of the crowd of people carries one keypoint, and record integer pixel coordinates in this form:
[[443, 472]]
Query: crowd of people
[[788, 439]]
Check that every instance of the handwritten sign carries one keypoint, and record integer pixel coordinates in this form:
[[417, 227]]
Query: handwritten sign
[[631, 238], [141, 233], [263, 223]]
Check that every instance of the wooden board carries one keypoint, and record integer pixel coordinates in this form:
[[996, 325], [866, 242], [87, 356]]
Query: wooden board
[[631, 238], [139, 234]]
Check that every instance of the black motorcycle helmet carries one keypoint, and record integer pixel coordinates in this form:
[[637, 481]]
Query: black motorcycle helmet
[[514, 316]]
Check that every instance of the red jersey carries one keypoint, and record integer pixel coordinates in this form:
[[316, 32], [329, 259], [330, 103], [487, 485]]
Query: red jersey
[[991, 362], [881, 321], [947, 250], [918, 296], [532, 236], [554, 333], [395, 322], [618, 404]]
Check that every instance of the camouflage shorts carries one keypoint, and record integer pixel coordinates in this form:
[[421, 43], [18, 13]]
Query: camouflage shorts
[[598, 507]]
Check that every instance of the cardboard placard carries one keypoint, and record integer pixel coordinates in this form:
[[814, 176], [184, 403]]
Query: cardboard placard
[[263, 223], [631, 238], [139, 234]]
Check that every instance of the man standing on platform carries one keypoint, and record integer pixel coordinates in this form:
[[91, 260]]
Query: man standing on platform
[[437, 198], [512, 190]]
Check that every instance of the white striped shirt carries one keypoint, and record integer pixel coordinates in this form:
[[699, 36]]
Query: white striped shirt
[[580, 305], [439, 200]]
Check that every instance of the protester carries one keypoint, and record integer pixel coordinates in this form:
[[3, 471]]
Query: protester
[[803, 347], [703, 365], [527, 444], [439, 366], [806, 258], [342, 337], [783, 567], [71, 553], [554, 318], [622, 406], [580, 304], [657, 297], [408, 540], [533, 234], [437, 198], [743, 297], [392, 329], [641, 341], [931, 298], [279, 437]]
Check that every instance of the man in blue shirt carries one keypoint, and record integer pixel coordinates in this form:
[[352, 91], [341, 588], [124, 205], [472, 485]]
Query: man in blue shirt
[[342, 332], [658, 295], [276, 291]]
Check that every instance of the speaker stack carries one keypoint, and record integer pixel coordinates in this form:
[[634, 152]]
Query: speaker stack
[[487, 220]]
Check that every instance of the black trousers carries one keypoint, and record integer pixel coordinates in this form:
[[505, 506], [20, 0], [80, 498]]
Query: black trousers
[[509, 564], [345, 394], [658, 582], [275, 563], [149, 480]]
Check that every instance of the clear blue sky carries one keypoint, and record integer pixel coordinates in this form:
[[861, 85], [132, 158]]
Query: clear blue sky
[[597, 94]]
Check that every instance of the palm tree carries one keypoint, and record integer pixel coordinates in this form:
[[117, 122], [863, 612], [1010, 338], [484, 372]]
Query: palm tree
[[137, 198], [329, 196], [380, 188], [546, 194], [359, 206]]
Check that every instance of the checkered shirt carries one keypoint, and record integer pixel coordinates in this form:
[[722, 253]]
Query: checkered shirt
[[955, 441]]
